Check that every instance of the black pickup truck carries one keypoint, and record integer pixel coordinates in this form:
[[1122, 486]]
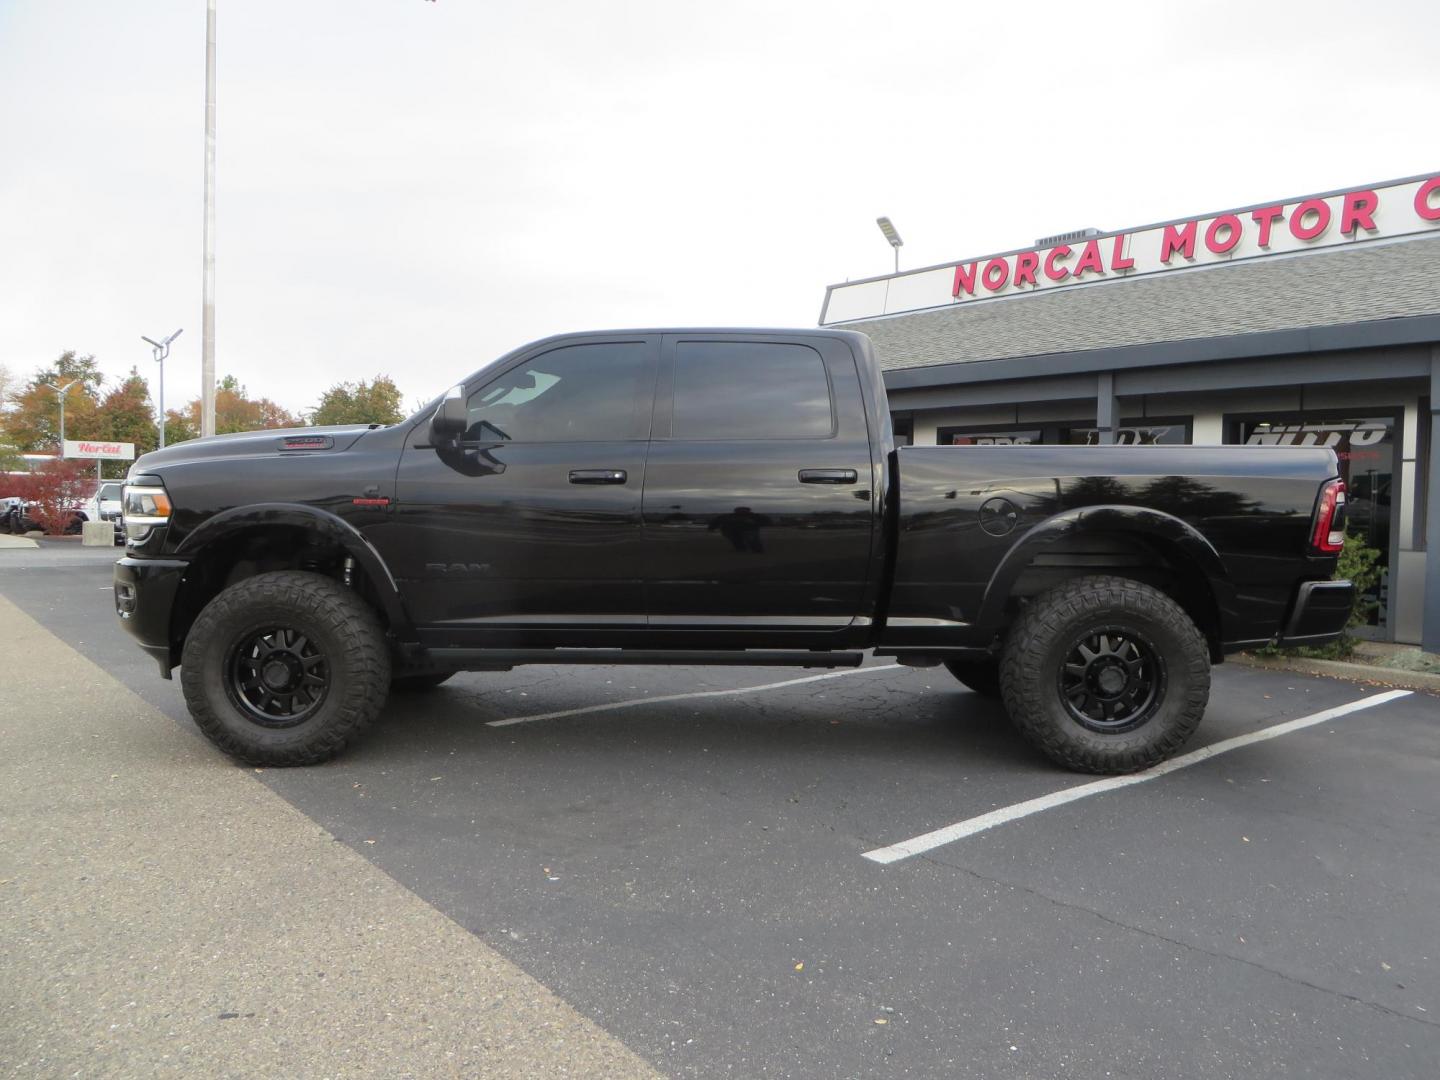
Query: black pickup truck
[[714, 497]]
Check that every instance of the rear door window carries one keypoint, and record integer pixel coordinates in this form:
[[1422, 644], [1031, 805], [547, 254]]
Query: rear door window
[[750, 390]]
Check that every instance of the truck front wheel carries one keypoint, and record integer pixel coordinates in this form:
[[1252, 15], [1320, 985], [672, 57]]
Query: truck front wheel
[[1105, 675], [285, 668]]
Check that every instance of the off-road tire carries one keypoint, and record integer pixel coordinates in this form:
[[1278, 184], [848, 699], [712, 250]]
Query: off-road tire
[[341, 625], [1054, 623], [403, 682], [981, 676]]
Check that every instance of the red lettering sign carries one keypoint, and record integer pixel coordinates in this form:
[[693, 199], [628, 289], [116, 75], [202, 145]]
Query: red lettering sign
[[1317, 224], [1026, 263], [1053, 270], [1118, 260], [1266, 217], [1358, 212], [964, 279], [1422, 199], [1231, 224], [1090, 260], [1181, 240], [995, 274]]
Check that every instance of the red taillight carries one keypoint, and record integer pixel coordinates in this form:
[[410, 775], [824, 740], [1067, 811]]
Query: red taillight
[[1329, 535]]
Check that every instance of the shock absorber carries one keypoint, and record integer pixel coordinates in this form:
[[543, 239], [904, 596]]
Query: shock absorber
[[349, 570]]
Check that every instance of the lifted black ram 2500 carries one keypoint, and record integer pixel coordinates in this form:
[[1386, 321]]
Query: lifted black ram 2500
[[714, 497]]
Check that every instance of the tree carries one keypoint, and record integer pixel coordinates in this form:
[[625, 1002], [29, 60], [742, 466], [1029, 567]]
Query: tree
[[375, 402], [234, 411], [179, 427], [54, 489], [33, 424], [124, 415]]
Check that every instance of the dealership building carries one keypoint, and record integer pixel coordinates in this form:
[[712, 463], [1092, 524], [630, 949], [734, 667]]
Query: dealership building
[[1310, 321]]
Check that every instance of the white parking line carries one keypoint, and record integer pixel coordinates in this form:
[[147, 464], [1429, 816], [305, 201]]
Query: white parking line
[[970, 826], [697, 694]]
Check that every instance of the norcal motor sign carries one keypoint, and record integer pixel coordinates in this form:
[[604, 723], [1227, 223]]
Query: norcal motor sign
[[1398, 208]]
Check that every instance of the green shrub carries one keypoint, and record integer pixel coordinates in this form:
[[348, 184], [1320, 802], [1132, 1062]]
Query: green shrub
[[1358, 563]]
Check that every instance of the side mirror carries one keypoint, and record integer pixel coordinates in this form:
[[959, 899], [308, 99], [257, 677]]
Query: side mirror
[[451, 417]]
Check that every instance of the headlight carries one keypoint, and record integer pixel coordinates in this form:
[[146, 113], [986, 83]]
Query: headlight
[[145, 507]]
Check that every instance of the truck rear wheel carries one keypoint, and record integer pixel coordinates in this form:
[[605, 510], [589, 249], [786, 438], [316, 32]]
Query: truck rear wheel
[[981, 676], [285, 668], [1105, 675]]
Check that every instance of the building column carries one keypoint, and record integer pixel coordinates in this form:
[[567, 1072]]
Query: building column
[[1107, 412], [1430, 631]]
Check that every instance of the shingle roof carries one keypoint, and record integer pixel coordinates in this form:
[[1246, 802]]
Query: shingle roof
[[1362, 284]]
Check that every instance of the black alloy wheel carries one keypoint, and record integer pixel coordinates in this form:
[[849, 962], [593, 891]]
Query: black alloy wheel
[[1112, 680], [285, 668], [1105, 674], [278, 676]]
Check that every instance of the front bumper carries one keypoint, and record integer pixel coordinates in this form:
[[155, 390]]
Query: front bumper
[[145, 599], [1320, 612]]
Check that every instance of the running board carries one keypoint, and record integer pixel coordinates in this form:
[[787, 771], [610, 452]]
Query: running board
[[501, 659]]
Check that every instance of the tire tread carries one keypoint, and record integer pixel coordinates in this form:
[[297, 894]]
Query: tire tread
[[1049, 616], [344, 613]]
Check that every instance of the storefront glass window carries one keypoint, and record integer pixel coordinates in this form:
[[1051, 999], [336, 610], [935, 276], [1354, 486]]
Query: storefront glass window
[[1151, 431], [1365, 446], [1175, 432]]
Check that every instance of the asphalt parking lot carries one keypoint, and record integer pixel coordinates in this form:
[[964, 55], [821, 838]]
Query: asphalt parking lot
[[681, 858]]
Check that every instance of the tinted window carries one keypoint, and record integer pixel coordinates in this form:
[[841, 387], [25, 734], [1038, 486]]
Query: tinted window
[[750, 390], [110, 491], [580, 392]]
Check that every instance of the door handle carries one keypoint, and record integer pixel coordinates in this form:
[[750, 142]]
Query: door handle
[[828, 476], [597, 476]]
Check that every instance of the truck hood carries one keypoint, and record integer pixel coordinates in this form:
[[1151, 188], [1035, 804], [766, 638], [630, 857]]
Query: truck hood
[[274, 441]]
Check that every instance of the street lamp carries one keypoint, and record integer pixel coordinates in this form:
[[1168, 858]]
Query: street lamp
[[60, 392], [207, 312], [161, 349], [893, 236]]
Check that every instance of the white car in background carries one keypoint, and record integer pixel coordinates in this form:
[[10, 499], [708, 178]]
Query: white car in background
[[104, 505]]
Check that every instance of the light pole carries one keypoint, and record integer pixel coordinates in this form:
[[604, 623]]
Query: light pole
[[161, 349], [60, 392], [893, 236], [207, 317]]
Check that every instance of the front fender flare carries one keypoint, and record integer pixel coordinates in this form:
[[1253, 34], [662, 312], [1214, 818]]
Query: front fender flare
[[322, 522]]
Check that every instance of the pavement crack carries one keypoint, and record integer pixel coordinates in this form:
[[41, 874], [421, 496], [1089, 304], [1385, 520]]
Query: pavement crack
[[1214, 954]]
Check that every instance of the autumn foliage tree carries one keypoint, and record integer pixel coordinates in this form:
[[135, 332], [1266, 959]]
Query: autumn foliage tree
[[53, 490], [375, 402], [236, 411], [32, 424]]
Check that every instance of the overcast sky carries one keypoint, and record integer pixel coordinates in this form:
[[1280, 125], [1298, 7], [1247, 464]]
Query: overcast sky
[[412, 188]]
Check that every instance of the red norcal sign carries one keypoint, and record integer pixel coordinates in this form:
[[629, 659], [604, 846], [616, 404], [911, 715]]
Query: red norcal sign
[[1376, 212], [89, 448], [1309, 222]]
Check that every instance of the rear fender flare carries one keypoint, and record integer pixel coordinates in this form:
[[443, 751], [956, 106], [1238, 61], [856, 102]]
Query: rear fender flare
[[1126, 520], [321, 522]]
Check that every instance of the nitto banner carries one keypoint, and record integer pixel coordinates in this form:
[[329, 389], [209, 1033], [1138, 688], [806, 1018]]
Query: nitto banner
[[1368, 213]]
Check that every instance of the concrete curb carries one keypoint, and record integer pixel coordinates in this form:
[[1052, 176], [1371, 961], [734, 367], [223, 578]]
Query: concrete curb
[[1339, 669], [16, 542]]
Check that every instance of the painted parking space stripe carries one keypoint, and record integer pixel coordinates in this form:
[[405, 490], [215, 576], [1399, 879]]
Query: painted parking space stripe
[[918, 845], [697, 694]]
